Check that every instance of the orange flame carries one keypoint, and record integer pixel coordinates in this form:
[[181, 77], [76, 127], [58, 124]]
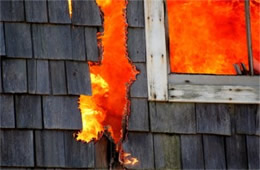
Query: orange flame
[[108, 105], [129, 160], [208, 36], [255, 28], [70, 7]]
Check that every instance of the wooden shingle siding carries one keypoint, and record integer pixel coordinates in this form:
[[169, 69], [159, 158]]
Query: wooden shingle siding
[[1, 88], [138, 120], [86, 13], [58, 77], [12, 10], [78, 43], [61, 112], [136, 44], [2, 40], [16, 148], [253, 152], [58, 11], [7, 117], [135, 13], [258, 121], [18, 40], [14, 76], [28, 111], [167, 151], [36, 11], [91, 44], [213, 119]]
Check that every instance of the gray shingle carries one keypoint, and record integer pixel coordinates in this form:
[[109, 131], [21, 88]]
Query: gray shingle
[[18, 40], [50, 148], [135, 13], [245, 119], [253, 152], [139, 144], [61, 112], [138, 119], [139, 87], [172, 117], [11, 10], [16, 148], [78, 154], [101, 153], [192, 152], [59, 11], [7, 119], [78, 44], [213, 119], [214, 152], [36, 11], [14, 76], [236, 152], [86, 13], [1, 89], [28, 111], [2, 39], [38, 77], [52, 41], [136, 44], [167, 152], [58, 79], [258, 121], [91, 43], [78, 78]]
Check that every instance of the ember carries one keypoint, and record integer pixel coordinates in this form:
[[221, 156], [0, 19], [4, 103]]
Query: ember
[[129, 160], [209, 36]]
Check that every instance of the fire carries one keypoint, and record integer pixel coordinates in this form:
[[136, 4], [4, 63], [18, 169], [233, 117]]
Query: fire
[[106, 108], [255, 28], [209, 36], [129, 160], [70, 7]]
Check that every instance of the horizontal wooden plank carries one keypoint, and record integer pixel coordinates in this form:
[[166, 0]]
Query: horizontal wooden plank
[[213, 93]]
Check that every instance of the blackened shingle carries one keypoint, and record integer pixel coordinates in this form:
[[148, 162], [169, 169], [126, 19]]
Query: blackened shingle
[[58, 79], [50, 148], [11, 10], [167, 151], [36, 11], [140, 145], [173, 117], [91, 43], [86, 13], [138, 120], [18, 40], [135, 13], [253, 152], [102, 153], [52, 41], [139, 87], [213, 119], [78, 154], [28, 111], [61, 112], [236, 152], [245, 119], [78, 78], [136, 44], [2, 39], [16, 148], [7, 119], [78, 44], [192, 152], [214, 152], [14, 76], [38, 77], [59, 11]]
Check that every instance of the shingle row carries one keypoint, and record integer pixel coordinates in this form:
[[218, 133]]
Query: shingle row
[[36, 112]]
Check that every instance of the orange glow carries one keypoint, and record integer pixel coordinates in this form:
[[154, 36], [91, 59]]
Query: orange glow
[[207, 36], [255, 27], [128, 160], [108, 105], [70, 7]]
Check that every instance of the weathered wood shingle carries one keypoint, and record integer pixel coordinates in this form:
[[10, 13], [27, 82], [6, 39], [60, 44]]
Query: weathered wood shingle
[[253, 152], [139, 87], [258, 121], [91, 43], [167, 151], [136, 44], [78, 78], [12, 10], [135, 13], [78, 44], [172, 117], [2, 40], [58, 11], [28, 111], [7, 118], [58, 77], [61, 112], [213, 119], [18, 40], [17, 148], [14, 76], [36, 11]]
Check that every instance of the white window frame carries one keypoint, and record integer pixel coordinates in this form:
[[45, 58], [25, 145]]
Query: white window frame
[[163, 86]]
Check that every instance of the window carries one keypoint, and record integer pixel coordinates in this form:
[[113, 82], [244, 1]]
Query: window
[[166, 84]]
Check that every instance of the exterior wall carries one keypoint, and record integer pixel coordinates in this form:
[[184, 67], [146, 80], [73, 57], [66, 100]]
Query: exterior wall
[[40, 85]]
